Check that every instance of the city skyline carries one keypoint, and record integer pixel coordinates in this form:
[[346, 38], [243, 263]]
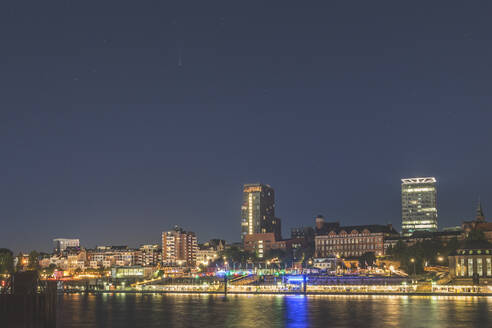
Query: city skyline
[[111, 130], [247, 189], [242, 163]]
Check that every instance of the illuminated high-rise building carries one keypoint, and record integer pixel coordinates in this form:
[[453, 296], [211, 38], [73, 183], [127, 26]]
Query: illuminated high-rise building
[[179, 247], [258, 211], [418, 205]]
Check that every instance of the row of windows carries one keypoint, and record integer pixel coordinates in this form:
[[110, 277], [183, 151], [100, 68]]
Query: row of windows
[[336, 241], [466, 268], [347, 254], [352, 247], [345, 234]]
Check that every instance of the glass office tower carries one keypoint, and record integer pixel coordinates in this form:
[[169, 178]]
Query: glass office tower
[[418, 205]]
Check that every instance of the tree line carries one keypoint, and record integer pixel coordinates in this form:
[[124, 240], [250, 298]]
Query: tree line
[[7, 261]]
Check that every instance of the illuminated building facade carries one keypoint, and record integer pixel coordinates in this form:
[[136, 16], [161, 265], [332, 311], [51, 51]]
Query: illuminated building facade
[[111, 256], [261, 243], [206, 255], [131, 272], [149, 255], [60, 244], [179, 247], [418, 205], [258, 211], [352, 241], [471, 263]]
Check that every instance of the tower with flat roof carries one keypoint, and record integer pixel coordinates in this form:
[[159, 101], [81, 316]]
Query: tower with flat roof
[[258, 211], [418, 205]]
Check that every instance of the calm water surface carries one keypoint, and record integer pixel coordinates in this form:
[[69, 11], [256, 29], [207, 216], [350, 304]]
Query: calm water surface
[[156, 310]]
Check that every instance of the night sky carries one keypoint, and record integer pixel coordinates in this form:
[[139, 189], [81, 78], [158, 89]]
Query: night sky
[[120, 119]]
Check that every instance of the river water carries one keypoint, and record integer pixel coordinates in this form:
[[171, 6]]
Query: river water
[[159, 310]]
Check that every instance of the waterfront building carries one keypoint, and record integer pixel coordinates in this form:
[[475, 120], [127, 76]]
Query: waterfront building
[[472, 263], [261, 243], [418, 205], [60, 244], [149, 255], [110, 256], [131, 272], [71, 259], [76, 260], [258, 211], [179, 247], [352, 241], [205, 255], [58, 261]]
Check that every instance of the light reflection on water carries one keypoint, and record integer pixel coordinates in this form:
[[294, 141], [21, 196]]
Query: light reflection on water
[[202, 310], [296, 311]]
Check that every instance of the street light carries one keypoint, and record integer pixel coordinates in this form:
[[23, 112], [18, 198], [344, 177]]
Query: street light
[[413, 261], [391, 269]]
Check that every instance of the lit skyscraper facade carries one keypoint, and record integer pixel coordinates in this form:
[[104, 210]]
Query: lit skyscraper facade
[[258, 211], [418, 205]]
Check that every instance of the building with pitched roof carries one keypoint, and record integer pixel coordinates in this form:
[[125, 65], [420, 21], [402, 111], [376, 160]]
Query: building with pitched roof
[[479, 224]]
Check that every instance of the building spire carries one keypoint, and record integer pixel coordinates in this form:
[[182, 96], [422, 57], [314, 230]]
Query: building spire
[[480, 216]]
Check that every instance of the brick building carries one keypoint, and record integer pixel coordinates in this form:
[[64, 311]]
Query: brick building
[[351, 241], [179, 247], [479, 224], [149, 255]]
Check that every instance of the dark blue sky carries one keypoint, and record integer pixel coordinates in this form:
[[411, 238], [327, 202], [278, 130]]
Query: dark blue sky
[[119, 119]]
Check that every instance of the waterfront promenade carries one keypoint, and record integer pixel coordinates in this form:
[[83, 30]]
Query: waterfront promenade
[[408, 290]]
